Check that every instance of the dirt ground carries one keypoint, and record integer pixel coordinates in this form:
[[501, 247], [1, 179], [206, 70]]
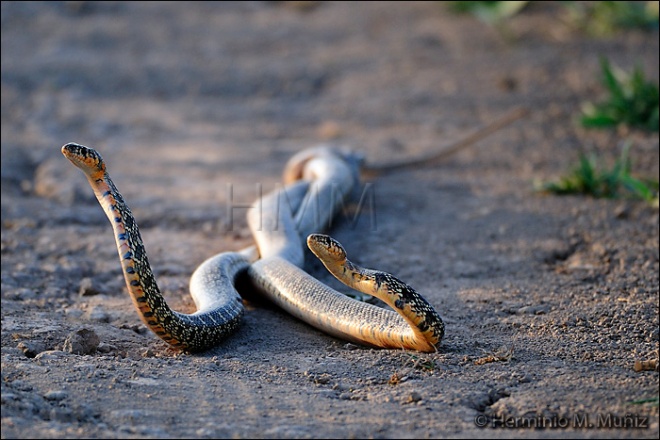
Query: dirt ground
[[548, 301]]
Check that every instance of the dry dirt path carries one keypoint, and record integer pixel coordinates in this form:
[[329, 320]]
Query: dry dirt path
[[187, 99]]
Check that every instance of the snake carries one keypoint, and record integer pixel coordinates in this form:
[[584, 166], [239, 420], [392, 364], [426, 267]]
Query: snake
[[413, 324], [318, 180], [212, 284]]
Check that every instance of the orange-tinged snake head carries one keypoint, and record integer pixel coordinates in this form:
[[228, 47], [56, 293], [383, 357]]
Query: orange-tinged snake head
[[326, 248], [85, 158]]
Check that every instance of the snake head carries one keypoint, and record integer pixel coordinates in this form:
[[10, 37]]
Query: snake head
[[85, 158], [326, 248]]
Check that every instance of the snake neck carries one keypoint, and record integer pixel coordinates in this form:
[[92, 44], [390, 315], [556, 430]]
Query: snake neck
[[425, 322], [140, 280]]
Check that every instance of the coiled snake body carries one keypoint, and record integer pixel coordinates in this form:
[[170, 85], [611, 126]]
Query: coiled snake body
[[219, 305], [319, 181]]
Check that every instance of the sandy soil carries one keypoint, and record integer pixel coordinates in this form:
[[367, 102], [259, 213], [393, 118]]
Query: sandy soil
[[187, 99]]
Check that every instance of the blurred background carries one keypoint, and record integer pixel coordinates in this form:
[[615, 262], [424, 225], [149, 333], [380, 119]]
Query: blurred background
[[393, 78]]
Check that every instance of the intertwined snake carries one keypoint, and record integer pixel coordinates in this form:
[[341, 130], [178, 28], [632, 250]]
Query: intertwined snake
[[320, 180], [306, 298]]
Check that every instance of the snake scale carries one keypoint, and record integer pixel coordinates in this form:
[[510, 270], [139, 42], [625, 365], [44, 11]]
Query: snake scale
[[317, 182]]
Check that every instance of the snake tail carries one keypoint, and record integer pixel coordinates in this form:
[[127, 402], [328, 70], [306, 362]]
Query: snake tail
[[220, 307], [426, 323]]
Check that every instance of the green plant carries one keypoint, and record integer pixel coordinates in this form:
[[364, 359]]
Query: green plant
[[489, 11], [632, 101], [653, 401], [588, 178], [604, 18]]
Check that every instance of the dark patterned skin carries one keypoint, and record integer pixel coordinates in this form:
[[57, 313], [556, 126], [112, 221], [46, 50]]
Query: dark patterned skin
[[195, 332], [427, 323]]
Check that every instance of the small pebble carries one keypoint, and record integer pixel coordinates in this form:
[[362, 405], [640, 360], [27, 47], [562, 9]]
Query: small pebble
[[341, 387], [31, 349], [50, 354], [414, 397], [87, 288], [82, 341], [55, 395]]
